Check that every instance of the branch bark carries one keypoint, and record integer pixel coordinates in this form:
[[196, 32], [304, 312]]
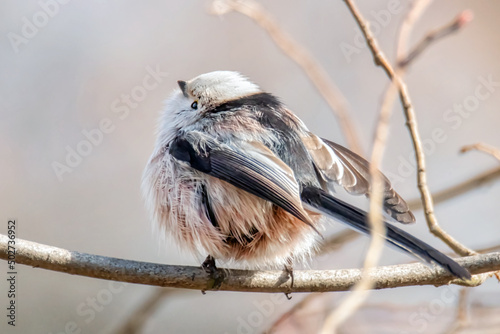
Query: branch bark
[[76, 263]]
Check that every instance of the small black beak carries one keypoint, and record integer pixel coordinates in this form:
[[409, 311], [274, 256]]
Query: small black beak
[[183, 87]]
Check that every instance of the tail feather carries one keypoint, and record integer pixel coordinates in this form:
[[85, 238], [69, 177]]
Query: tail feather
[[357, 219]]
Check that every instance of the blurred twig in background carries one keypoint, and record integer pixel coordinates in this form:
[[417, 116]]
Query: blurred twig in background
[[288, 314], [404, 60], [136, 321], [462, 319], [417, 9], [459, 189], [292, 49], [409, 112], [349, 306], [452, 27], [411, 122], [494, 152], [360, 291]]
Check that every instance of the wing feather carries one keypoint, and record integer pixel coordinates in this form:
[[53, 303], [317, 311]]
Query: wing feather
[[248, 166], [338, 164]]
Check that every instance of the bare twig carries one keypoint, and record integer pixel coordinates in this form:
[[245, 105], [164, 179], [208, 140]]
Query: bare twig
[[461, 20], [378, 56], [422, 180], [135, 323], [459, 189], [377, 228], [355, 300], [325, 86], [461, 320], [415, 12], [490, 249], [404, 96], [494, 152], [418, 7], [336, 241], [427, 200], [288, 314], [185, 277]]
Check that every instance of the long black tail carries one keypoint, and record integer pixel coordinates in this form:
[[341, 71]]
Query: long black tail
[[357, 219]]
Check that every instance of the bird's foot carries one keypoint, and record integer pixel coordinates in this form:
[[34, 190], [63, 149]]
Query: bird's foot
[[209, 265], [289, 271], [216, 277]]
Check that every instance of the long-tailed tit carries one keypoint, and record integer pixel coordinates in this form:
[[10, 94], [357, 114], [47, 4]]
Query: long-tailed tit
[[235, 175]]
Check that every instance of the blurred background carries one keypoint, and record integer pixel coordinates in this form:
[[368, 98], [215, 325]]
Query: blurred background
[[71, 70]]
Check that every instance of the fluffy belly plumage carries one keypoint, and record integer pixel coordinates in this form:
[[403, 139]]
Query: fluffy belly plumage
[[208, 216]]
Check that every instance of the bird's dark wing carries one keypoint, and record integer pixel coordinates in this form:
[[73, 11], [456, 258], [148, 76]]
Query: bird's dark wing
[[248, 166], [338, 164], [356, 218]]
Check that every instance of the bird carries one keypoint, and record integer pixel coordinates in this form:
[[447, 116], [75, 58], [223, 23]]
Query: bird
[[236, 177]]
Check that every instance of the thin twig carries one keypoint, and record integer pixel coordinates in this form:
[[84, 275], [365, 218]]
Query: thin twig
[[490, 249], [381, 60], [413, 15], [291, 48], [135, 323], [422, 179], [378, 56], [426, 196], [288, 314], [361, 290], [435, 35], [494, 152], [185, 277], [459, 189], [354, 301], [337, 241], [461, 320]]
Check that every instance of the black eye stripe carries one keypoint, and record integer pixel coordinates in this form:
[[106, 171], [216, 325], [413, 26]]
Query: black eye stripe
[[194, 105]]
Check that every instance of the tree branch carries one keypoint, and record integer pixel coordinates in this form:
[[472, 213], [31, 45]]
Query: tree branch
[[75, 263]]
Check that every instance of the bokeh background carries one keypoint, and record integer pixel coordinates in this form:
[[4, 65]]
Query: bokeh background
[[77, 69]]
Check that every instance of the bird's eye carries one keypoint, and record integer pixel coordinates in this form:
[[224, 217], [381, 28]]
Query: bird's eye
[[194, 105]]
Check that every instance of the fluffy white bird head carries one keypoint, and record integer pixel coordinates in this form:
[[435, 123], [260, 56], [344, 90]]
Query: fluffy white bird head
[[189, 103], [214, 88]]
